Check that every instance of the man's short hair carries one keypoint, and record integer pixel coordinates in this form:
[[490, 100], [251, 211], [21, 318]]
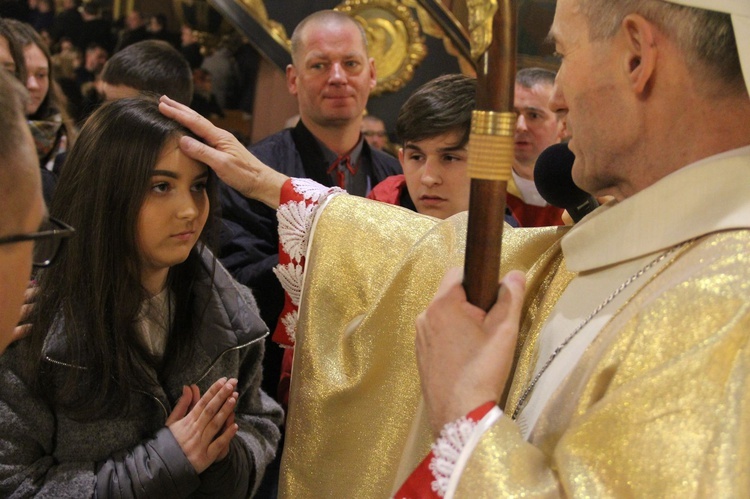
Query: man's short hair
[[439, 106], [151, 66], [528, 77], [323, 17], [705, 37]]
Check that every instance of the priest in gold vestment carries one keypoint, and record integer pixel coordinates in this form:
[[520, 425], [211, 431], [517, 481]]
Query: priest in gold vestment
[[625, 355]]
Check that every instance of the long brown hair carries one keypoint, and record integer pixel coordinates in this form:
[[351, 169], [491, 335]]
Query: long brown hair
[[54, 102], [94, 293]]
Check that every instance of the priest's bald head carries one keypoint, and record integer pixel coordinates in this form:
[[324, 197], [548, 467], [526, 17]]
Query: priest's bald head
[[650, 86]]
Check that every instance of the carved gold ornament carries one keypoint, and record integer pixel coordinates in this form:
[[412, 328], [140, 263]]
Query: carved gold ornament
[[393, 37], [481, 13], [433, 28], [258, 10]]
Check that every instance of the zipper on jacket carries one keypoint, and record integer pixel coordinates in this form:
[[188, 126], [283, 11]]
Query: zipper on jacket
[[238, 347]]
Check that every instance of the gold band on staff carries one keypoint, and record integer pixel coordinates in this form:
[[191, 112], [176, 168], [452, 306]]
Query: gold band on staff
[[491, 145]]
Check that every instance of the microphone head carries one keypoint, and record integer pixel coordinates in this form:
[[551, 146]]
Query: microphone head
[[554, 181]]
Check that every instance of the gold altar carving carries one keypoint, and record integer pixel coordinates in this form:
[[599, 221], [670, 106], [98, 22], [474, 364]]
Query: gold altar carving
[[481, 13], [257, 9], [433, 29], [394, 40]]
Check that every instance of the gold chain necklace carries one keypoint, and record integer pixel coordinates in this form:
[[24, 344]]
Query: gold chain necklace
[[530, 388]]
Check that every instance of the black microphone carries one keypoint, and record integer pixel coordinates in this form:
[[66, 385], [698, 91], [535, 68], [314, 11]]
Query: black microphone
[[554, 181]]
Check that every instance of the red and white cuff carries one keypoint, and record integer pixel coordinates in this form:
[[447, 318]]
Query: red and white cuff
[[300, 199], [437, 475]]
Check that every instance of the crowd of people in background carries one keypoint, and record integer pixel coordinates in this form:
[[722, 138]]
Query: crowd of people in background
[[81, 36], [156, 356], [76, 60]]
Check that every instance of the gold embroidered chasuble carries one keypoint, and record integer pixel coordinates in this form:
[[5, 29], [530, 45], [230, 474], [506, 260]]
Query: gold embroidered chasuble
[[659, 402], [661, 394], [371, 269]]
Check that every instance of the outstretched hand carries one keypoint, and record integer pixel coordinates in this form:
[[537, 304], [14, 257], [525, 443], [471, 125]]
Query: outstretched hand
[[231, 161], [464, 354], [204, 426]]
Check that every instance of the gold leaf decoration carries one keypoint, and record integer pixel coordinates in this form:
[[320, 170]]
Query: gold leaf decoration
[[258, 10], [393, 37], [481, 13]]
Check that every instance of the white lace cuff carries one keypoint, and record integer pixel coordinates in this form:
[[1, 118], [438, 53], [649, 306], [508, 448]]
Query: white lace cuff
[[453, 448]]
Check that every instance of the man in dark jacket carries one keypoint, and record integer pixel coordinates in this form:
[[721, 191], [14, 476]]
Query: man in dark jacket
[[68, 23], [332, 76], [134, 32], [96, 29]]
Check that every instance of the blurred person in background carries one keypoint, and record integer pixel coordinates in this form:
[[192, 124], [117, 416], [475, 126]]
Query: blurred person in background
[[374, 131]]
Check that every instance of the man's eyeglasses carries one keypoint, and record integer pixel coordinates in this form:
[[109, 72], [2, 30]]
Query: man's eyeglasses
[[47, 241]]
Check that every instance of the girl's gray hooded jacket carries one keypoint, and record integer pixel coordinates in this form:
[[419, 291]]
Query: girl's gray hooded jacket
[[45, 454]]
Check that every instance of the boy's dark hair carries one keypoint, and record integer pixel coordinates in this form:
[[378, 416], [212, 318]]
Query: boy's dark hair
[[439, 106], [151, 66]]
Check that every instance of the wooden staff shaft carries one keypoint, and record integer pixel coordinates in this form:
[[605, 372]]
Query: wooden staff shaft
[[496, 73]]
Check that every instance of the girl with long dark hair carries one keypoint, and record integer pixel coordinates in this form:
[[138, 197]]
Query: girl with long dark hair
[[141, 376], [51, 125]]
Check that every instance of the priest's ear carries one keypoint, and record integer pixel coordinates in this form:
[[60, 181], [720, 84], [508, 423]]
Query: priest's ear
[[641, 51]]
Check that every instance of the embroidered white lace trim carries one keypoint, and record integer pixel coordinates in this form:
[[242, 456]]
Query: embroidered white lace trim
[[480, 428], [446, 451], [290, 323], [290, 276], [295, 223], [453, 448], [295, 220], [313, 191]]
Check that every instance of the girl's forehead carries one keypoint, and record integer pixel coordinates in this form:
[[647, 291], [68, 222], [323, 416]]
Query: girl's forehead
[[173, 159]]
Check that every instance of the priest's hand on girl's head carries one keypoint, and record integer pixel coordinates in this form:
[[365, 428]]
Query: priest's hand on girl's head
[[204, 426], [222, 152]]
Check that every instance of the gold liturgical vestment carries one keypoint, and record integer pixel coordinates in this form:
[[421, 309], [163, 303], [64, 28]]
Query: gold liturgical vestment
[[372, 268], [658, 404]]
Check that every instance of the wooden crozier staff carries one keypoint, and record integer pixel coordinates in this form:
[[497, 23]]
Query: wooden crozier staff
[[490, 153]]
